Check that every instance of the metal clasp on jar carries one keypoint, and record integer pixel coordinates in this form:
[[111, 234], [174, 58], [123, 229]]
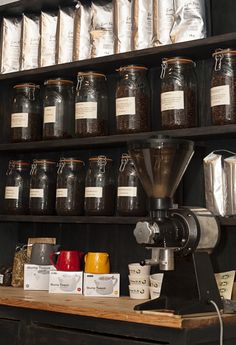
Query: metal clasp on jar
[[124, 160], [218, 59], [33, 167], [79, 82], [163, 69], [11, 165], [60, 165], [102, 162]]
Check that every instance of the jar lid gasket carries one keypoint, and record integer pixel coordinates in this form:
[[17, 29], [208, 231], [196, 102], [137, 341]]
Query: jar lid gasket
[[91, 73]]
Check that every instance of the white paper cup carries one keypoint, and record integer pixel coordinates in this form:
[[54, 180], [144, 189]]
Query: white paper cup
[[138, 279], [154, 292], [137, 269], [139, 292], [156, 280]]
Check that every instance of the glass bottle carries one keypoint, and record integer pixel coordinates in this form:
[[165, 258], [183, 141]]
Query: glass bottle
[[178, 93], [223, 87], [42, 187], [91, 104], [132, 100], [70, 187], [99, 187], [58, 103], [26, 113], [131, 198], [16, 198]]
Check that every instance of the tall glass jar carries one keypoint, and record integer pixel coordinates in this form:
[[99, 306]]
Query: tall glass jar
[[132, 100], [58, 111], [91, 104], [223, 88], [99, 187], [26, 113], [70, 187], [42, 187], [131, 198], [16, 198], [178, 93]]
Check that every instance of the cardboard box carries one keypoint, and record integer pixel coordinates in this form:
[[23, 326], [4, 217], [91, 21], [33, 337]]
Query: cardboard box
[[66, 282], [36, 277], [103, 285]]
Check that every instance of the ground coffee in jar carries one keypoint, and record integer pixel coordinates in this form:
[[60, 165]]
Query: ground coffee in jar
[[132, 100], [99, 187], [42, 187], [178, 93], [131, 199], [91, 104], [223, 87], [16, 198], [58, 103], [70, 187], [26, 116]]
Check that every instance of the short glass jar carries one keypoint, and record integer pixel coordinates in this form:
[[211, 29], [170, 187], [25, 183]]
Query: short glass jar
[[223, 87], [131, 198], [70, 187], [132, 100], [16, 198], [91, 105], [58, 109], [42, 187], [178, 93], [99, 187], [26, 113]]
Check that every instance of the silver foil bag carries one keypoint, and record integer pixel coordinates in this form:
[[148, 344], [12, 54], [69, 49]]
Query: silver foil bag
[[102, 15], [48, 29], [10, 44], [65, 33], [142, 24], [102, 42], [122, 25], [190, 20], [82, 26], [163, 20], [30, 42], [230, 173]]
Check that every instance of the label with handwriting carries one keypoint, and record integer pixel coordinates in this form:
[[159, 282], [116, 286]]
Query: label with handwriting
[[93, 192], [19, 120], [12, 192]]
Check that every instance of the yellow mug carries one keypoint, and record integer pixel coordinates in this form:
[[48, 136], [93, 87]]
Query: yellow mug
[[97, 263]]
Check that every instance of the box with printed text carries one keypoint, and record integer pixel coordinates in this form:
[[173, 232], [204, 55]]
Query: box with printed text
[[103, 285], [66, 282], [36, 277]]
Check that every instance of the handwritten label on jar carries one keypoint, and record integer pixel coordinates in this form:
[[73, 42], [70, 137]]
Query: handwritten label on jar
[[220, 95], [127, 191], [93, 192], [86, 110], [12, 193], [1, 278], [36, 193], [49, 115], [62, 193], [125, 106], [19, 120], [172, 100]]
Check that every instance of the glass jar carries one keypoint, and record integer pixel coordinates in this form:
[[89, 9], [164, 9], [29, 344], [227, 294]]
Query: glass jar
[[178, 93], [70, 187], [132, 100], [99, 187], [26, 113], [58, 111], [131, 199], [91, 105], [42, 187], [16, 199], [223, 88]]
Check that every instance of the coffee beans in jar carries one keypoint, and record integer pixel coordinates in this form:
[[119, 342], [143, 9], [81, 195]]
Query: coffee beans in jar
[[178, 93], [26, 113], [132, 100], [223, 87], [99, 187], [91, 104], [58, 109], [70, 187]]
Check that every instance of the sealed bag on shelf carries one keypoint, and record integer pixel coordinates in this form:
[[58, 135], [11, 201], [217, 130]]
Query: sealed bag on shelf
[[230, 173], [142, 24], [122, 25], [65, 32], [11, 44], [163, 20], [48, 28], [102, 15], [102, 42], [30, 42], [82, 26], [20, 258]]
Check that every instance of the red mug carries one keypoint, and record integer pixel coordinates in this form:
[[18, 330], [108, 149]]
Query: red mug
[[67, 260]]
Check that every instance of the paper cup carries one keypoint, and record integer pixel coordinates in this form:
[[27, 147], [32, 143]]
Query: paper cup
[[154, 292], [137, 269], [139, 292], [138, 279], [156, 280]]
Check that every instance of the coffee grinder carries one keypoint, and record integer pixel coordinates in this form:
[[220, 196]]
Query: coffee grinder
[[180, 239]]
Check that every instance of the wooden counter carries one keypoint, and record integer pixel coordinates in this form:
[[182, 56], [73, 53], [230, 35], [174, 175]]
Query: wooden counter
[[120, 309]]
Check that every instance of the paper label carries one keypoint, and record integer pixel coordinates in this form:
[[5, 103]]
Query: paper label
[[19, 120], [127, 191], [86, 110], [36, 193], [1, 278], [62, 193], [93, 192], [220, 95], [49, 115], [172, 100], [125, 105], [12, 193]]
